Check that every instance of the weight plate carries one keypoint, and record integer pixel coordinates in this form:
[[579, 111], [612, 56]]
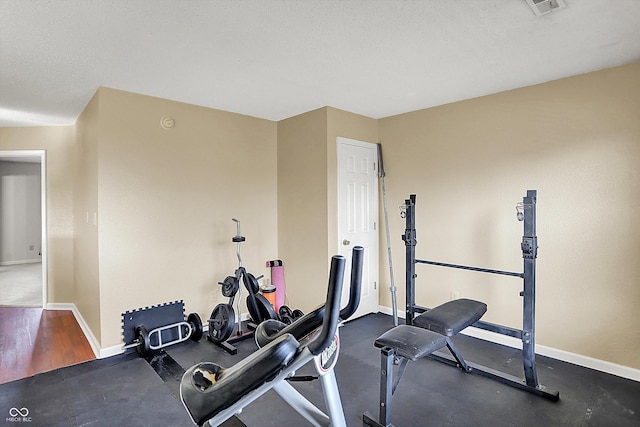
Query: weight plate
[[285, 315], [265, 308], [297, 313], [287, 320], [230, 286], [221, 323], [285, 311], [254, 311], [144, 343], [196, 326], [251, 283]]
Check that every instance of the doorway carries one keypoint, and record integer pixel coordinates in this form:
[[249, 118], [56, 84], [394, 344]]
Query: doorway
[[358, 216], [23, 255]]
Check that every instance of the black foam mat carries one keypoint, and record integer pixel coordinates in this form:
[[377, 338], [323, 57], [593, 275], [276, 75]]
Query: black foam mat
[[126, 391]]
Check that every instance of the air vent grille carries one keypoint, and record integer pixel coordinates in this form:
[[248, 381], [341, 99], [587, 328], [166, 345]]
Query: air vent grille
[[542, 7]]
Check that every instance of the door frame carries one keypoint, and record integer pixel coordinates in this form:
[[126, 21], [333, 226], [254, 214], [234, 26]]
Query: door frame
[[41, 155], [374, 269]]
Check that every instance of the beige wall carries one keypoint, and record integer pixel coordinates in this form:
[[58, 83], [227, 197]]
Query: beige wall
[[307, 197], [302, 207], [58, 141], [165, 199], [86, 239], [577, 141]]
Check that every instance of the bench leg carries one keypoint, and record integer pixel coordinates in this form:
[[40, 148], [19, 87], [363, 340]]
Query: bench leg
[[387, 387], [454, 351], [399, 373]]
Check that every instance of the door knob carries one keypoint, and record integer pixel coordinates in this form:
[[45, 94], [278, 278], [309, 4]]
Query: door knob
[[345, 242]]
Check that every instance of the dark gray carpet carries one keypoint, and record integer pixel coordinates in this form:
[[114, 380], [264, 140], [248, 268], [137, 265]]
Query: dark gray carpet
[[126, 391]]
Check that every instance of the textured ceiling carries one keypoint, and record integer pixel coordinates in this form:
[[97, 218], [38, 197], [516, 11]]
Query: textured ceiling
[[278, 58]]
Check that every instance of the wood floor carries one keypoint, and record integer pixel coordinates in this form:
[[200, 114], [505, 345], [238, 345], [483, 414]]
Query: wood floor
[[33, 340]]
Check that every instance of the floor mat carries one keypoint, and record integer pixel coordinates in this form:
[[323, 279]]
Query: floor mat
[[126, 391]]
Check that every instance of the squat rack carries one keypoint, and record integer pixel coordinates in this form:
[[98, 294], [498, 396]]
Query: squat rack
[[526, 210]]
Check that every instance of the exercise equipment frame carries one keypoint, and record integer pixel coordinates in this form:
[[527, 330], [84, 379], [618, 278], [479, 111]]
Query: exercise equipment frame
[[529, 246], [312, 337]]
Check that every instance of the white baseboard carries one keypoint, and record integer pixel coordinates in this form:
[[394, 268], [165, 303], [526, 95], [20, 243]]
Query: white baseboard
[[22, 261], [554, 353], [565, 356], [114, 350]]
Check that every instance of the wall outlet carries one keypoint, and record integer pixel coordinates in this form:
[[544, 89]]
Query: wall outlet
[[454, 295]]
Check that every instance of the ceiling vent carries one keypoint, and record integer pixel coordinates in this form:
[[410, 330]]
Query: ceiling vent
[[542, 7]]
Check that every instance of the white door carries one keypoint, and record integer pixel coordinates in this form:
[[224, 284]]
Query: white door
[[358, 216]]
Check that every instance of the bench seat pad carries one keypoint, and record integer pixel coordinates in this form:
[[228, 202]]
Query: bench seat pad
[[411, 342], [452, 316]]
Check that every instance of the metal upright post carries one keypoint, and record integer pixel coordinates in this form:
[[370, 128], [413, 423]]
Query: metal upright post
[[529, 254], [410, 242], [392, 287]]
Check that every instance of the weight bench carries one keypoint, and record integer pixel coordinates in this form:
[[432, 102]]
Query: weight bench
[[450, 318], [431, 331]]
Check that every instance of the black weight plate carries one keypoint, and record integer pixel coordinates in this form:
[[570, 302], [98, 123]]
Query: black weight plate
[[221, 323], [251, 283], [287, 320], [144, 343], [265, 308], [285, 311], [196, 326], [230, 286], [254, 311], [285, 315]]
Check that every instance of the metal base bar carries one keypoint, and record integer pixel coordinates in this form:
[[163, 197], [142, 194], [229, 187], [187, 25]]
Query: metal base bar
[[231, 349], [228, 344], [370, 421], [504, 378]]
